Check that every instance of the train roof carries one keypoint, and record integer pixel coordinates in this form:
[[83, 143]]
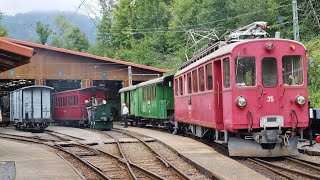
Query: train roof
[[127, 88], [152, 81], [227, 50], [82, 89], [34, 86]]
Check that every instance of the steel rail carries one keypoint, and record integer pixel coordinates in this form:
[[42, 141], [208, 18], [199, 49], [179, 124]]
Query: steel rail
[[122, 160], [310, 164], [84, 162], [57, 136], [181, 174], [125, 161], [100, 173], [81, 139], [289, 170], [272, 169], [29, 137], [75, 169]]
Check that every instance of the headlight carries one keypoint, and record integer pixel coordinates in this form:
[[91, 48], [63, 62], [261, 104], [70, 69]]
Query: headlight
[[241, 102], [301, 100]]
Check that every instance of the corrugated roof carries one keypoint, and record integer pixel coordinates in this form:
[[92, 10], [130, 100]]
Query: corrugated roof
[[35, 86], [152, 81], [84, 55]]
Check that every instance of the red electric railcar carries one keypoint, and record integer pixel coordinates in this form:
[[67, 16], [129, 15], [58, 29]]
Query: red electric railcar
[[253, 92], [69, 106]]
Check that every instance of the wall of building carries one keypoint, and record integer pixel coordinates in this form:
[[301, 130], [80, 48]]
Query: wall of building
[[52, 65]]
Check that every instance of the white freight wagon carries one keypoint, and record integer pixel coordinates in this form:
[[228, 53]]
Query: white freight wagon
[[30, 107]]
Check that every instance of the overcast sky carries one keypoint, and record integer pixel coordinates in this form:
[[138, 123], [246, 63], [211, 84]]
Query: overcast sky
[[11, 7]]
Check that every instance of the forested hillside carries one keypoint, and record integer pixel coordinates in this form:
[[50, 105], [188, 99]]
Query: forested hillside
[[23, 25]]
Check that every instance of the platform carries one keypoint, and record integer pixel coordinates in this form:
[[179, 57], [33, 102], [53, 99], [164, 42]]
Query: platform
[[304, 148], [88, 136], [32, 162], [220, 166]]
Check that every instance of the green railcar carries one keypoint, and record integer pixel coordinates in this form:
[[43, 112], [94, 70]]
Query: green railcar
[[150, 102], [102, 117]]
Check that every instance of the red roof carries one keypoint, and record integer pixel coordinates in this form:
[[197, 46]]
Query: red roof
[[83, 54], [13, 55], [15, 48]]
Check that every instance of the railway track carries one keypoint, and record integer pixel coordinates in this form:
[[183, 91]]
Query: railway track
[[83, 168], [289, 167], [95, 164], [136, 151], [62, 136]]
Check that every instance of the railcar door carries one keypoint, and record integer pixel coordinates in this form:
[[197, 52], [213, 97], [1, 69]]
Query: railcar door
[[269, 93], [217, 91]]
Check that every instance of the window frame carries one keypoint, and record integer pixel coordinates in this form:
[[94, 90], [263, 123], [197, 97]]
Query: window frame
[[197, 81], [176, 87], [207, 77], [189, 83], [202, 82], [302, 65], [235, 69], [224, 72], [181, 88], [276, 71]]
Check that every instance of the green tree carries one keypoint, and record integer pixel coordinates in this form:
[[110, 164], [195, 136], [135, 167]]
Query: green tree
[[69, 36], [77, 41], [3, 31], [43, 32], [62, 28]]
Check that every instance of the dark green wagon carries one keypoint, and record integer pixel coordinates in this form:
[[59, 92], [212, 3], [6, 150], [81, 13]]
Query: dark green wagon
[[150, 102], [102, 117]]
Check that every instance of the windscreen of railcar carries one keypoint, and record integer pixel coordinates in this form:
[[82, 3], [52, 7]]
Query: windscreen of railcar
[[245, 71], [292, 70]]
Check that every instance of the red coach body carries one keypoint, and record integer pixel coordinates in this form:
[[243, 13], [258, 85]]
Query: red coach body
[[244, 88], [69, 106]]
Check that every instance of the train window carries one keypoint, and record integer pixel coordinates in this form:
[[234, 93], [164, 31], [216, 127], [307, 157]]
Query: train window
[[181, 85], [245, 70], [69, 100], [269, 72], [76, 100], [189, 83], [176, 87], [149, 93], [209, 76], [144, 93], [195, 81], [201, 76], [292, 72], [226, 72], [154, 92], [64, 101]]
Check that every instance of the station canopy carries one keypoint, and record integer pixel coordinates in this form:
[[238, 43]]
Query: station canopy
[[13, 55]]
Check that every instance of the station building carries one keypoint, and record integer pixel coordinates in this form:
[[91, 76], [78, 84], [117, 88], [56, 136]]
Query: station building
[[65, 69]]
